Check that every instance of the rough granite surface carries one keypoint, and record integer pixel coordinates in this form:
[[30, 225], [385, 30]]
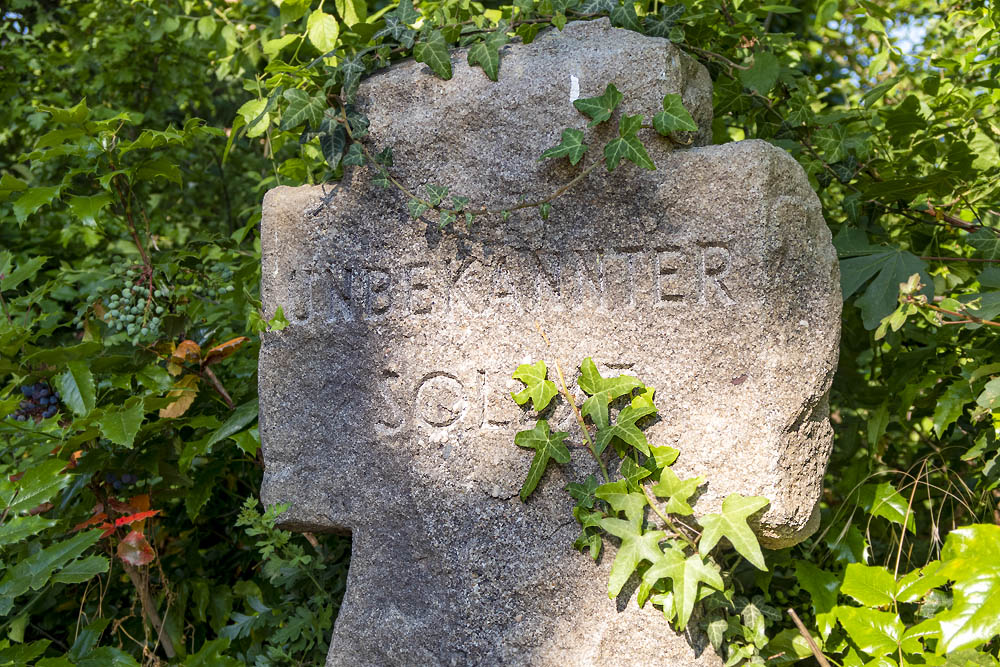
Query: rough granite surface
[[385, 406]]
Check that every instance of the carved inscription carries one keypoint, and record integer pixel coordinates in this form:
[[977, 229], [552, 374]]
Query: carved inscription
[[514, 282]]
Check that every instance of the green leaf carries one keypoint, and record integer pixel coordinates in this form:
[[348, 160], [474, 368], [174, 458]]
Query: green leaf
[[405, 12], [633, 473], [240, 418], [81, 570], [915, 585], [677, 492], [571, 146], [599, 109], [950, 405], [890, 266], [624, 16], [87, 208], [732, 524], [160, 167], [322, 30], [871, 586], [433, 52], [969, 558], [663, 455], [627, 145], [120, 425], [539, 390], [884, 501], [9, 184], [674, 117], [76, 386], [661, 24], [302, 108], [436, 193], [593, 383], [354, 157], [39, 484], [32, 200], [874, 632], [686, 575], [822, 587], [34, 571], [18, 528], [583, 492], [486, 53], [547, 446], [352, 11], [26, 270], [622, 499], [625, 430], [763, 73], [635, 548]]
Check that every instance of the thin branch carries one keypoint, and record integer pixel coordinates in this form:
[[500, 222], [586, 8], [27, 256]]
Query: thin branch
[[666, 519], [820, 658]]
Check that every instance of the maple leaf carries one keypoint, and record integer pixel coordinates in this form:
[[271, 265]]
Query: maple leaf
[[677, 491], [537, 388], [599, 109], [571, 146], [625, 430], [618, 496], [732, 524], [635, 548], [547, 446], [686, 574]]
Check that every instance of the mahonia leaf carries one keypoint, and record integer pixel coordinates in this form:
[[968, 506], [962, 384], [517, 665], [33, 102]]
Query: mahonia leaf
[[599, 109], [635, 548], [627, 145], [732, 524], [686, 574], [677, 491], [571, 146], [633, 473], [433, 52], [674, 117], [547, 446], [621, 499], [624, 16], [661, 25], [583, 492], [486, 53], [625, 430], [537, 388]]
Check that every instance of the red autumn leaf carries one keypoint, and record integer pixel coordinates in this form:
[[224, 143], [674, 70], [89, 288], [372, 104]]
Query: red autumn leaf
[[132, 518], [135, 550], [97, 518], [187, 351], [108, 529], [41, 509], [220, 352]]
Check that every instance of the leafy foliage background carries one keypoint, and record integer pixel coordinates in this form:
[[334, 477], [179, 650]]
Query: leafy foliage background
[[137, 141]]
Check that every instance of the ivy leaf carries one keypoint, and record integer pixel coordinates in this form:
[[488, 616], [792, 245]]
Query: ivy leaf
[[76, 387], [877, 633], [633, 473], [686, 575], [433, 52], [354, 156], [599, 109], [406, 13], [732, 524], [592, 382], [635, 548], [676, 491], [121, 424], [486, 53], [571, 146], [625, 430], [547, 446], [417, 208], [436, 193], [969, 559], [583, 492], [822, 587], [763, 74], [627, 145], [397, 30], [661, 24], [871, 586], [621, 499], [674, 117], [663, 455], [302, 108], [537, 388], [597, 6], [624, 16], [332, 144], [352, 68]]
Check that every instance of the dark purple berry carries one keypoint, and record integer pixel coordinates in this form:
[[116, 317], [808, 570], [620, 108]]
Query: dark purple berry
[[116, 484], [27, 390]]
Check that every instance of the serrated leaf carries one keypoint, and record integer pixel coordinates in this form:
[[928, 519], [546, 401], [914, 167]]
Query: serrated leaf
[[877, 633], [32, 200], [763, 73], [18, 528], [599, 109], [302, 109], [872, 586], [81, 570], [39, 484], [677, 491], [889, 266], [322, 30], [622, 499], [34, 571], [433, 52], [10, 184], [950, 405], [547, 446], [26, 270], [674, 117], [121, 424], [686, 575], [539, 390], [76, 387], [635, 547], [570, 146], [732, 524], [822, 587], [87, 208], [486, 53]]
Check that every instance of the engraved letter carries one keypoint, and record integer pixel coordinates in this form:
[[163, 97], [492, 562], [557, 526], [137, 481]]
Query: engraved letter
[[668, 258], [441, 400], [715, 265], [420, 295], [378, 284]]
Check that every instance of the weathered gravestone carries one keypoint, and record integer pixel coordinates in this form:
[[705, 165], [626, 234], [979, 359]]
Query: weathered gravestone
[[385, 407]]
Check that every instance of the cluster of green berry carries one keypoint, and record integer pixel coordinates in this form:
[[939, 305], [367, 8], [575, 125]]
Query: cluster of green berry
[[134, 308]]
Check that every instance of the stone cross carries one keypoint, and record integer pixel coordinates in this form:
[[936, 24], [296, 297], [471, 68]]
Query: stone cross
[[385, 405]]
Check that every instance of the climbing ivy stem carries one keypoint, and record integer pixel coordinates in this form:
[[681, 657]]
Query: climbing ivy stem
[[666, 519]]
